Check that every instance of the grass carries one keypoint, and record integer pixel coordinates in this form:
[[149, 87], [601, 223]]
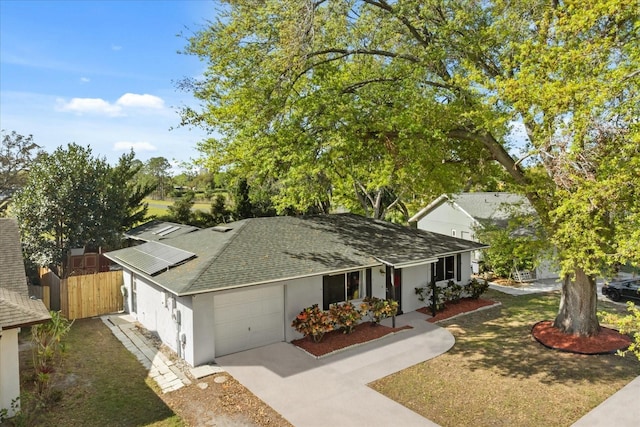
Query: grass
[[160, 207], [92, 392], [497, 374]]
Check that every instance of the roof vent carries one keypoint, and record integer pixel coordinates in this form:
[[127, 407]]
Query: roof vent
[[221, 228]]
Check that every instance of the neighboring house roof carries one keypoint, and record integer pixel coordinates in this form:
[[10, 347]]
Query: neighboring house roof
[[16, 308], [489, 207], [159, 230], [263, 250]]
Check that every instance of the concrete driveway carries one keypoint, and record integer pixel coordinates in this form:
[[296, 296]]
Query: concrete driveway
[[332, 390]]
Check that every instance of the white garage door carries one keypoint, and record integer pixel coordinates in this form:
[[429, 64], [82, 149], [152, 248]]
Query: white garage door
[[248, 318]]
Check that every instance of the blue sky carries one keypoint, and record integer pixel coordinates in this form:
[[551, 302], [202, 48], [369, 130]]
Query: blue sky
[[100, 73]]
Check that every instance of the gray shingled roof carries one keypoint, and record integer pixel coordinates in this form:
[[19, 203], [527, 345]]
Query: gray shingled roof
[[492, 206], [261, 250], [484, 207], [16, 308]]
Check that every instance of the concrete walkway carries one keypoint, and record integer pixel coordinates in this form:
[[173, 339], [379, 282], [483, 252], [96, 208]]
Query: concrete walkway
[[621, 409], [168, 376], [548, 285], [333, 390]]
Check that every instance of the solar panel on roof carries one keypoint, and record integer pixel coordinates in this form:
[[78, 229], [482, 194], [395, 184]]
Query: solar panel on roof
[[168, 231], [162, 229], [153, 257]]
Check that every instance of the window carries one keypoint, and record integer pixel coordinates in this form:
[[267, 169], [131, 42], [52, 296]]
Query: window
[[453, 233], [345, 287], [448, 268]]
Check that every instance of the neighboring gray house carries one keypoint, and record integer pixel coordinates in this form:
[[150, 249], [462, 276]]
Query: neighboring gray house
[[225, 289], [462, 214], [17, 310]]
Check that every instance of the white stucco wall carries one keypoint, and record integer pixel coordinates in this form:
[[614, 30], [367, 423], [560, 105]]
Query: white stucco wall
[[299, 294], [197, 317], [445, 218], [413, 278], [9, 369], [163, 313], [202, 330]]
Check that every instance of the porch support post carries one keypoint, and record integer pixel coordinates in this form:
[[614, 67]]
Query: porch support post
[[434, 298], [390, 285]]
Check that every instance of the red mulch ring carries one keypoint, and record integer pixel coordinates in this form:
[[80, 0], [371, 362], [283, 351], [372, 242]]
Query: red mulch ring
[[606, 342], [452, 309], [336, 340]]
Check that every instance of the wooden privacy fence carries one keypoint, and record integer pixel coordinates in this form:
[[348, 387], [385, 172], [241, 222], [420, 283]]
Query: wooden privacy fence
[[83, 296], [91, 294]]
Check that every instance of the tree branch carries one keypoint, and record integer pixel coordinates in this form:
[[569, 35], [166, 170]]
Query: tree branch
[[373, 52]]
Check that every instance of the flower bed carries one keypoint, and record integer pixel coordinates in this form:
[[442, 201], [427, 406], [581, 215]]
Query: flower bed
[[452, 309], [336, 340]]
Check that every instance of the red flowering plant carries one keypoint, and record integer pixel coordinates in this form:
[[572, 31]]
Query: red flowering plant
[[345, 315], [313, 322]]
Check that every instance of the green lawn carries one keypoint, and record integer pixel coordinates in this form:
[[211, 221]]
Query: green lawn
[[101, 384], [159, 207], [498, 375]]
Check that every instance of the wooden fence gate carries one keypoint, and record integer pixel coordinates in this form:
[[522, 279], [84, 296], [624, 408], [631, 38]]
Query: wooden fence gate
[[83, 296]]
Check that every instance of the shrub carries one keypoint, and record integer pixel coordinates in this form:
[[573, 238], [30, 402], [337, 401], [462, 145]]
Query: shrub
[[345, 316], [48, 350], [379, 308], [422, 293], [440, 297], [313, 322], [425, 294], [453, 291], [629, 324], [476, 288]]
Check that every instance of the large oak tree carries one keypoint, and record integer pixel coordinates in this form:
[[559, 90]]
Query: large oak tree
[[419, 95]]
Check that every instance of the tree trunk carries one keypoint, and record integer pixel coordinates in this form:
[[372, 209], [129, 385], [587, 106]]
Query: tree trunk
[[578, 305]]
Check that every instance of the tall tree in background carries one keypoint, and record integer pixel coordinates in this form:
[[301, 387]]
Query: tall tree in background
[[16, 155], [72, 199], [415, 95], [158, 168], [243, 203], [123, 176]]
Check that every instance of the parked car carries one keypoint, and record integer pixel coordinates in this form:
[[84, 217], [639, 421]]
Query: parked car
[[629, 288]]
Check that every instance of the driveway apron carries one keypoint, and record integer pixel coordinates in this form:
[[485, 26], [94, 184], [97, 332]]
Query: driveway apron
[[333, 390]]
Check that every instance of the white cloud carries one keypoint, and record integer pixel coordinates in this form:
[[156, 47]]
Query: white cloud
[[115, 47], [137, 146], [100, 106], [140, 101], [89, 105], [85, 79]]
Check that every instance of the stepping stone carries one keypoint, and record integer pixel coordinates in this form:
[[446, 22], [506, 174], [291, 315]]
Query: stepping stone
[[221, 379], [205, 370]]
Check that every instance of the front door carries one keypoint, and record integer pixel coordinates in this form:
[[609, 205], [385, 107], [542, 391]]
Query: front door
[[394, 286], [397, 283]]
